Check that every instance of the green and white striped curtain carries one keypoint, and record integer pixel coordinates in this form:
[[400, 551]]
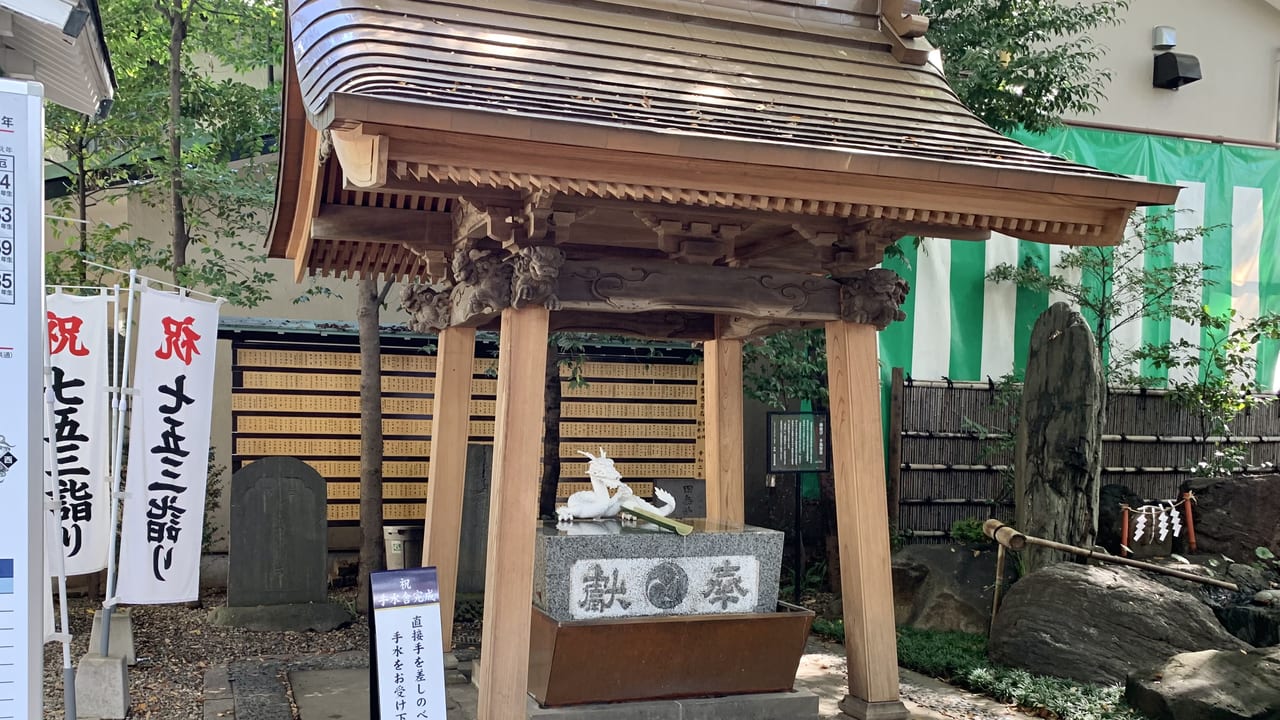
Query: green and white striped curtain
[[961, 327]]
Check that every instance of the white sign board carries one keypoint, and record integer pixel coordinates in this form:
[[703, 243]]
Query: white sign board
[[21, 375], [407, 653]]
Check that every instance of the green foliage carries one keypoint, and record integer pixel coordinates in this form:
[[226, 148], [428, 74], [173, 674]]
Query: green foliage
[[1226, 387], [212, 498], [787, 366], [998, 443], [968, 530], [829, 629], [222, 127], [813, 580], [1114, 287], [1264, 553], [961, 658], [1023, 63]]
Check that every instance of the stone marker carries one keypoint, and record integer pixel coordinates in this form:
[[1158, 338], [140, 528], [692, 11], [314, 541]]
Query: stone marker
[[473, 545], [1059, 447], [690, 495], [277, 576]]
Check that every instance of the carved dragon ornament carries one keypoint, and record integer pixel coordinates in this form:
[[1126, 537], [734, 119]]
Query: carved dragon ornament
[[873, 297], [485, 282]]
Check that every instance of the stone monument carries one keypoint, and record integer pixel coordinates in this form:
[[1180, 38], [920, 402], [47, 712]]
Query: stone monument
[[277, 576], [1059, 446]]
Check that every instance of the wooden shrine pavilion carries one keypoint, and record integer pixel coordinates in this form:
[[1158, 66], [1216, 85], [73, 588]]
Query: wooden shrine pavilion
[[702, 169]]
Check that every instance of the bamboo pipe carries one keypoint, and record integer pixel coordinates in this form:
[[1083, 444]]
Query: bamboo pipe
[[995, 595], [1015, 540]]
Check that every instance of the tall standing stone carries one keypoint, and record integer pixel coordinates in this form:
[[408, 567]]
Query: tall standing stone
[[278, 542], [1059, 450]]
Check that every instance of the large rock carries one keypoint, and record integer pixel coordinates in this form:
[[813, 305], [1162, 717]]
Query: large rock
[[943, 587], [1259, 626], [1234, 516], [1110, 517], [1098, 624], [1059, 446], [1209, 685]]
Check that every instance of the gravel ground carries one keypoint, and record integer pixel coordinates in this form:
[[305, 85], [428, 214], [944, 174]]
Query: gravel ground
[[175, 645]]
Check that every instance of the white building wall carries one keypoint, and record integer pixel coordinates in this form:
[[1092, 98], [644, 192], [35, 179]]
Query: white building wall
[[1238, 45]]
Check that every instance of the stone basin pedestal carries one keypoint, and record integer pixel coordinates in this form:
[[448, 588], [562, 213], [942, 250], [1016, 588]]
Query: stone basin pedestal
[[634, 614]]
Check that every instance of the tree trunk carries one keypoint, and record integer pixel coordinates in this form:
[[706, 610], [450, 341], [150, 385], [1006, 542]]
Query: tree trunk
[[550, 437], [177, 35], [82, 199], [1059, 446], [372, 558]]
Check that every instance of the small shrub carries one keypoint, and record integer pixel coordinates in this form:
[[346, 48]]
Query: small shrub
[[968, 530], [961, 658]]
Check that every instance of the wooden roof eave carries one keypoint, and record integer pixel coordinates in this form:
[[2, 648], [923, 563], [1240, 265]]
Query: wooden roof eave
[[486, 141], [297, 179]]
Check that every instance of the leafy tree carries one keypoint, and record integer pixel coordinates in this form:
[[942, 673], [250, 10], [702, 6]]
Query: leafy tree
[[785, 367], [1023, 63], [1116, 286], [205, 173], [1228, 387]]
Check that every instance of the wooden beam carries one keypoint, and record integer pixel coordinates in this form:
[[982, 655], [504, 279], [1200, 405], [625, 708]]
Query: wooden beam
[[865, 578], [446, 476], [654, 325], [417, 229], [513, 507], [722, 383], [652, 285], [363, 157]]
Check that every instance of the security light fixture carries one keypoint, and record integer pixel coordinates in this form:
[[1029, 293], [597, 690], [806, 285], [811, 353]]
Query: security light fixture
[[1173, 70]]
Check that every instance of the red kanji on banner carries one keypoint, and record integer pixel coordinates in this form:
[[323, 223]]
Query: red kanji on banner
[[64, 334], [179, 340]]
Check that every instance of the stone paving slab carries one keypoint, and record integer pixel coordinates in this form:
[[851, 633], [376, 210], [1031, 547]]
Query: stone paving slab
[[336, 687]]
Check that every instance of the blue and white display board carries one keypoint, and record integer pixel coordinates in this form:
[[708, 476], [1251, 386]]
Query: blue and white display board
[[21, 371], [406, 655]]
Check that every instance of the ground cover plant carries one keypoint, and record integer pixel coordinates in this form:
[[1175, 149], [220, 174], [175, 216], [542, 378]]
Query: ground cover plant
[[961, 659]]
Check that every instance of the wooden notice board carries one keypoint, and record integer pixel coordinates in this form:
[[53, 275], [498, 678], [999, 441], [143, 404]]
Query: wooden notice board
[[302, 400]]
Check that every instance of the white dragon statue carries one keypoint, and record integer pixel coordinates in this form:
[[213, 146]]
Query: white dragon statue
[[608, 494]]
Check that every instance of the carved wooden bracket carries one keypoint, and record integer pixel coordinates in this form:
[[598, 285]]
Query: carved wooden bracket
[[482, 284], [477, 221], [363, 157], [905, 18], [904, 27], [537, 276], [699, 243], [873, 297]]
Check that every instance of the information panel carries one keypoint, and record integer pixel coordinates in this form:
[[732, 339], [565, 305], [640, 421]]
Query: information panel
[[406, 654], [798, 442], [21, 368]]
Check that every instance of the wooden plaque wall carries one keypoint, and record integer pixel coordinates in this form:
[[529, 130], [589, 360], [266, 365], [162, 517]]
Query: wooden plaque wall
[[303, 401]]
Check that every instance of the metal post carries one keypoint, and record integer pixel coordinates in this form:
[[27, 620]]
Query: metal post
[[122, 404], [797, 542]]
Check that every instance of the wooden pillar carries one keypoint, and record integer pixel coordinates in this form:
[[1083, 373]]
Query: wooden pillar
[[513, 510], [865, 577], [722, 385], [446, 476]]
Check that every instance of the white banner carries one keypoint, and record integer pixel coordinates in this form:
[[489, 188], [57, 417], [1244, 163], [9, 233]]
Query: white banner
[[168, 450], [78, 337]]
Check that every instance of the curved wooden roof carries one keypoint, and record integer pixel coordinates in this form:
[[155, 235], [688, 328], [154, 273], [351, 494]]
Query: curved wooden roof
[[756, 106]]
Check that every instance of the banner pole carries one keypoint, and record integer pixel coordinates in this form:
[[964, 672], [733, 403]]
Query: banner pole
[[56, 549], [122, 404]]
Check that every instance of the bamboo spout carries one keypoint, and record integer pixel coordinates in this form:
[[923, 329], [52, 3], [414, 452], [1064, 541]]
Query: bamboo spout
[[1014, 540]]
